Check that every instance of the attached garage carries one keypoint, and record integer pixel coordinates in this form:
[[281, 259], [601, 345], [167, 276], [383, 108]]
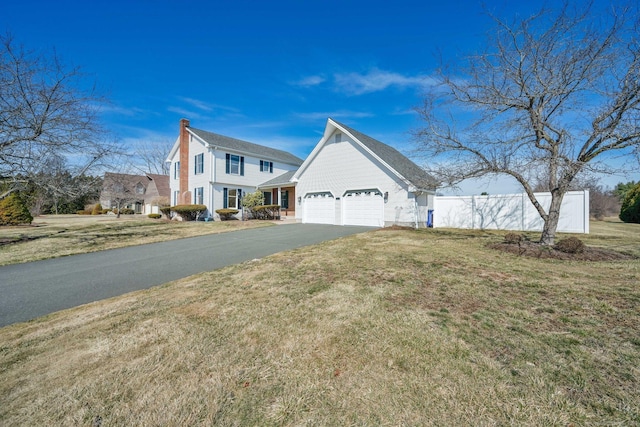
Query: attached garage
[[363, 207], [319, 208]]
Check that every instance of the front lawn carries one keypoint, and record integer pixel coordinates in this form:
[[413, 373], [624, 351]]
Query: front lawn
[[389, 327]]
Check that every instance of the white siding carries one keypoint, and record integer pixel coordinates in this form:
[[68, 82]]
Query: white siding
[[202, 179], [343, 166], [252, 174]]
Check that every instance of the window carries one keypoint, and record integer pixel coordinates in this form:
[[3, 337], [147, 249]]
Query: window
[[176, 196], [235, 164], [139, 188], [267, 197], [198, 196], [232, 198], [338, 137], [176, 170], [199, 165], [266, 166]]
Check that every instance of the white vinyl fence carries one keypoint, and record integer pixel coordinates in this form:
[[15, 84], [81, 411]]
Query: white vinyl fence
[[510, 212]]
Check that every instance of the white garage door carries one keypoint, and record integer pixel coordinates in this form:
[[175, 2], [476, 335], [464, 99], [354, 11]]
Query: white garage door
[[319, 208], [363, 207]]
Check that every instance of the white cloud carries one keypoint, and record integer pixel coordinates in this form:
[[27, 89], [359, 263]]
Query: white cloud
[[333, 114], [377, 80], [310, 81], [192, 115], [207, 106]]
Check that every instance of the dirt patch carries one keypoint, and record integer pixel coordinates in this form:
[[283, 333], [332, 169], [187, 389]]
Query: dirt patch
[[536, 250]]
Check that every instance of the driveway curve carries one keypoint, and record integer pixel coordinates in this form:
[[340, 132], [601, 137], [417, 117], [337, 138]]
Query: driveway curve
[[38, 288]]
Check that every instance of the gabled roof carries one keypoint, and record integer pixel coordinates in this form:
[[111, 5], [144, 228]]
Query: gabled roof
[[237, 145], [129, 183], [279, 181], [387, 155], [162, 184]]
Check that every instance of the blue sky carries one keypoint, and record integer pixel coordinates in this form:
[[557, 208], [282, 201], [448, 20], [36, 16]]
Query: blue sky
[[269, 72]]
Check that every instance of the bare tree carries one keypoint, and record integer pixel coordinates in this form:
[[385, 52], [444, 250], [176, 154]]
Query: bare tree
[[556, 95], [46, 110], [119, 190], [152, 155]]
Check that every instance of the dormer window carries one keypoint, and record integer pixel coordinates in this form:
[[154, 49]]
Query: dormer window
[[139, 188]]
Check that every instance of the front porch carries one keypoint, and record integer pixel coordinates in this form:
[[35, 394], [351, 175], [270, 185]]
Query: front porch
[[285, 197], [282, 192]]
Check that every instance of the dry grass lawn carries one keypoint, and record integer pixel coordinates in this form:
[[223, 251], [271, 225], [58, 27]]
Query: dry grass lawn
[[52, 236], [392, 327]]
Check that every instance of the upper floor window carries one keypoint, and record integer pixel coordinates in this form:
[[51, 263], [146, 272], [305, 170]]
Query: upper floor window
[[139, 188], [176, 170], [199, 164], [338, 137], [266, 166], [235, 164]]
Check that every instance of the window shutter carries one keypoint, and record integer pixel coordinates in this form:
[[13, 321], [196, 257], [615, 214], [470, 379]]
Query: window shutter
[[270, 167], [242, 165], [239, 197], [228, 168], [226, 192]]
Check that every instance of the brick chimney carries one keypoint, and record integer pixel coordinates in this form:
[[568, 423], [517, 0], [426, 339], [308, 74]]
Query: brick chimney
[[185, 194]]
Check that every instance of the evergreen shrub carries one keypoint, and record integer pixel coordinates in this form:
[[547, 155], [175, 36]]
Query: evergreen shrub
[[227, 214], [13, 211], [189, 212], [630, 210]]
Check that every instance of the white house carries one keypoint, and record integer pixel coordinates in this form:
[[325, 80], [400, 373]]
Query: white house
[[216, 170], [352, 179]]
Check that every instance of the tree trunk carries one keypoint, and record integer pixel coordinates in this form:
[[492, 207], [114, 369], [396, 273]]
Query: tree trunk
[[551, 221]]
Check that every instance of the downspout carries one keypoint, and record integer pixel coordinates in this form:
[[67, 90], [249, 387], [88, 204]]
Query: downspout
[[415, 202], [212, 176]]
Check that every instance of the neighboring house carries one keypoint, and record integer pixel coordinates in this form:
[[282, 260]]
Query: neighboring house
[[216, 170], [142, 193], [352, 179]]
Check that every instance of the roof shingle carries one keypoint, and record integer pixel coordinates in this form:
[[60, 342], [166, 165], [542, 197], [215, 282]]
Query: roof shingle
[[233, 144], [398, 161]]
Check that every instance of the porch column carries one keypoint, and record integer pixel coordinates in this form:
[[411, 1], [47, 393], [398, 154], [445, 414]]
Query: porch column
[[280, 197]]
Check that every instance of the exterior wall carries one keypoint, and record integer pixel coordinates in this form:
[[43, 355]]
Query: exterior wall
[[252, 174], [511, 212], [202, 179], [342, 166], [217, 197], [174, 182]]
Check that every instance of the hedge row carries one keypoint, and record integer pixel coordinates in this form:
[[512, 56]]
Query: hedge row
[[265, 212], [188, 212]]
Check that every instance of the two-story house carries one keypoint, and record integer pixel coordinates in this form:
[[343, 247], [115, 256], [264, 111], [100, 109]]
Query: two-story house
[[216, 170]]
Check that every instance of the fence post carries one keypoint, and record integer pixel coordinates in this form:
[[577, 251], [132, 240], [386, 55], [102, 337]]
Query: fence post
[[473, 212]]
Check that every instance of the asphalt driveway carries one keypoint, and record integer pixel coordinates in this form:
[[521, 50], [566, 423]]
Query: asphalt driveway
[[37, 288]]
